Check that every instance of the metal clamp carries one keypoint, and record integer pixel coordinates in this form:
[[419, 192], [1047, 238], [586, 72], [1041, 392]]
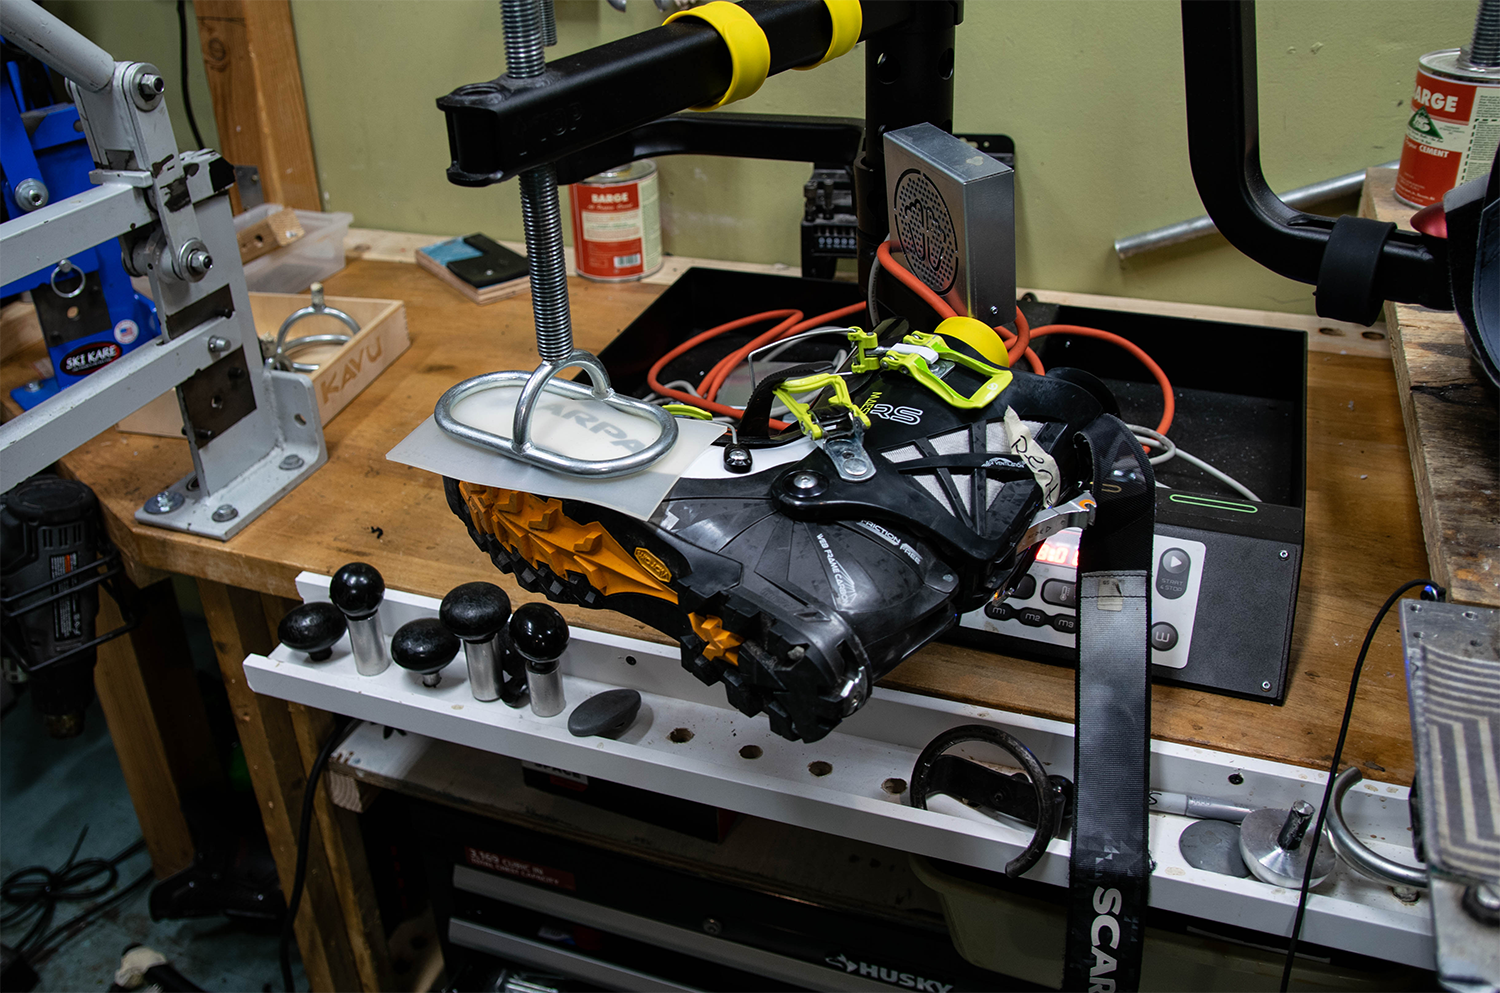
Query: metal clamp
[[63, 269], [519, 446], [1353, 851], [317, 308], [1076, 513]]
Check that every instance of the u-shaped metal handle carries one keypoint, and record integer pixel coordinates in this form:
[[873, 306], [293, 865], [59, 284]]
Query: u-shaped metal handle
[[1353, 851], [533, 384]]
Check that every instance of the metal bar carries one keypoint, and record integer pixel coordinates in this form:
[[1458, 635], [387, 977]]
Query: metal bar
[[50, 430], [52, 233], [42, 35], [1219, 62], [499, 128], [786, 138], [1302, 196]]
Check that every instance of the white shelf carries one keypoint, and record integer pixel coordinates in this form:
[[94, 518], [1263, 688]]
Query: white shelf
[[878, 743]]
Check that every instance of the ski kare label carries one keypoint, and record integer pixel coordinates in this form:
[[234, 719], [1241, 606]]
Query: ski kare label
[[91, 357], [1451, 136]]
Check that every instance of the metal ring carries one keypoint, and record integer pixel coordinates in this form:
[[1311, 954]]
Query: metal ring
[[278, 358], [533, 384], [64, 267], [310, 341], [1049, 806], [1353, 851]]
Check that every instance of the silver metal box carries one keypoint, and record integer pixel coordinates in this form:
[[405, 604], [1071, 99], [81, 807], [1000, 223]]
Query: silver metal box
[[953, 217]]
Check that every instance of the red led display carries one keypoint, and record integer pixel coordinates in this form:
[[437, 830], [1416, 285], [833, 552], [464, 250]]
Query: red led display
[[1058, 553]]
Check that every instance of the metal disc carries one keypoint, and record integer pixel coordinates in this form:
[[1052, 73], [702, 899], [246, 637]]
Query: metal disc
[[1215, 846]]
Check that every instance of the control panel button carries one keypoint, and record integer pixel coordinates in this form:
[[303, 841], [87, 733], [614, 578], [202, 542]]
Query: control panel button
[[1163, 636], [1060, 592], [1025, 589], [1031, 617], [1066, 623], [1172, 571], [999, 610]]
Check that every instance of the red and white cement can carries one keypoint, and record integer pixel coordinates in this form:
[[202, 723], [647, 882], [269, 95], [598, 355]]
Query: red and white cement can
[[1453, 129], [617, 223]]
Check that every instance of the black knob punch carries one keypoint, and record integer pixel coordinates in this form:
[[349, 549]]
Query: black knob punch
[[477, 613], [605, 714], [313, 628], [357, 589], [424, 646], [539, 635]]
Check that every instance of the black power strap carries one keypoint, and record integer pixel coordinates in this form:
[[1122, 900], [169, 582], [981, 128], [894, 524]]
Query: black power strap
[[1110, 868]]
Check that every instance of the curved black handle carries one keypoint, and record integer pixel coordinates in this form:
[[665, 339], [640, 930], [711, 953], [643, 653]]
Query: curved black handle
[[1218, 42]]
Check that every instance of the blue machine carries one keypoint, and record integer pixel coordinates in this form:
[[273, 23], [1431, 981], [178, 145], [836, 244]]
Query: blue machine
[[90, 314]]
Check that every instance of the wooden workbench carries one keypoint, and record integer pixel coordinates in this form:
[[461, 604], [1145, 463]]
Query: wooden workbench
[[1364, 537]]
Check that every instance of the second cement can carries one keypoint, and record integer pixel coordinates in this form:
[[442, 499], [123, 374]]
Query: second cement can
[[617, 223]]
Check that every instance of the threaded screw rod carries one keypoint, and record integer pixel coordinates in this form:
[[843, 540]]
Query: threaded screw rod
[[541, 213], [549, 23], [1484, 50]]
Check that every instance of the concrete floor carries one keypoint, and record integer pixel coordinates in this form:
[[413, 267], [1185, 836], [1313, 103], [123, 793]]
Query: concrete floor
[[49, 790]]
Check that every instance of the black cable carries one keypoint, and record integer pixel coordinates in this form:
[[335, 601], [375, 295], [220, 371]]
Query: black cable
[[1338, 751], [182, 49], [304, 829], [68, 929], [38, 889]]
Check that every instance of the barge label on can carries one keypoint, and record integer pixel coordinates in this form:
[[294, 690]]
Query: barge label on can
[[617, 223], [1451, 133]]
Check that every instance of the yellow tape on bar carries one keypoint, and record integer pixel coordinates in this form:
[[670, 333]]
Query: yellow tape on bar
[[848, 21], [749, 52]]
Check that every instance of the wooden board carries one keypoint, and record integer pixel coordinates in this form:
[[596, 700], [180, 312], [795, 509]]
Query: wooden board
[[250, 54], [1363, 531], [343, 370], [1452, 430], [270, 233], [468, 291]]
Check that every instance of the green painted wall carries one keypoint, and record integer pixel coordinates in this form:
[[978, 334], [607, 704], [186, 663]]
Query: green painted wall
[[1090, 89]]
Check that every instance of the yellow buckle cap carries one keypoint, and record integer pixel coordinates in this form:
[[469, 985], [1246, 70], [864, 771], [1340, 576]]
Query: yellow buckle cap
[[749, 52], [848, 21]]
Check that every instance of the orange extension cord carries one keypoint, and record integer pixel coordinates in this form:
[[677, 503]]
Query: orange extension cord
[[1018, 345]]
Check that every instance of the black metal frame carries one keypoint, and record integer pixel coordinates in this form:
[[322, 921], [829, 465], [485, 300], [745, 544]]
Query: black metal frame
[[1218, 41]]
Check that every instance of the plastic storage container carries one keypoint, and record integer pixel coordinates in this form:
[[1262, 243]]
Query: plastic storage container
[[317, 255]]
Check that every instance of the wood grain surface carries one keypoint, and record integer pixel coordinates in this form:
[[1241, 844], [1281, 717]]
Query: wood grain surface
[[1363, 532], [1452, 430]]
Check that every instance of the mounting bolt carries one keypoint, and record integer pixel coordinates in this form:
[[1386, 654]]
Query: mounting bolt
[[1265, 684], [31, 194], [218, 343], [150, 85], [1406, 894], [164, 502], [712, 926], [1284, 554], [292, 462], [225, 512], [198, 263]]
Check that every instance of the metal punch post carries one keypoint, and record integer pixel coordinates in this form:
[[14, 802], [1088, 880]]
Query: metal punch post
[[525, 35]]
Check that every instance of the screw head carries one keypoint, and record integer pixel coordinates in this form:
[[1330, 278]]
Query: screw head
[[1283, 554], [1265, 684], [35, 386], [199, 262], [292, 462], [225, 512], [712, 926], [164, 502], [856, 467], [217, 343]]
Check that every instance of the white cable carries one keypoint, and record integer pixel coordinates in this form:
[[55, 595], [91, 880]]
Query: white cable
[[1171, 450]]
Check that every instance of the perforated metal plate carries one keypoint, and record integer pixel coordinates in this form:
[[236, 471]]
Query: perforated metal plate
[[924, 228], [1453, 675]]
